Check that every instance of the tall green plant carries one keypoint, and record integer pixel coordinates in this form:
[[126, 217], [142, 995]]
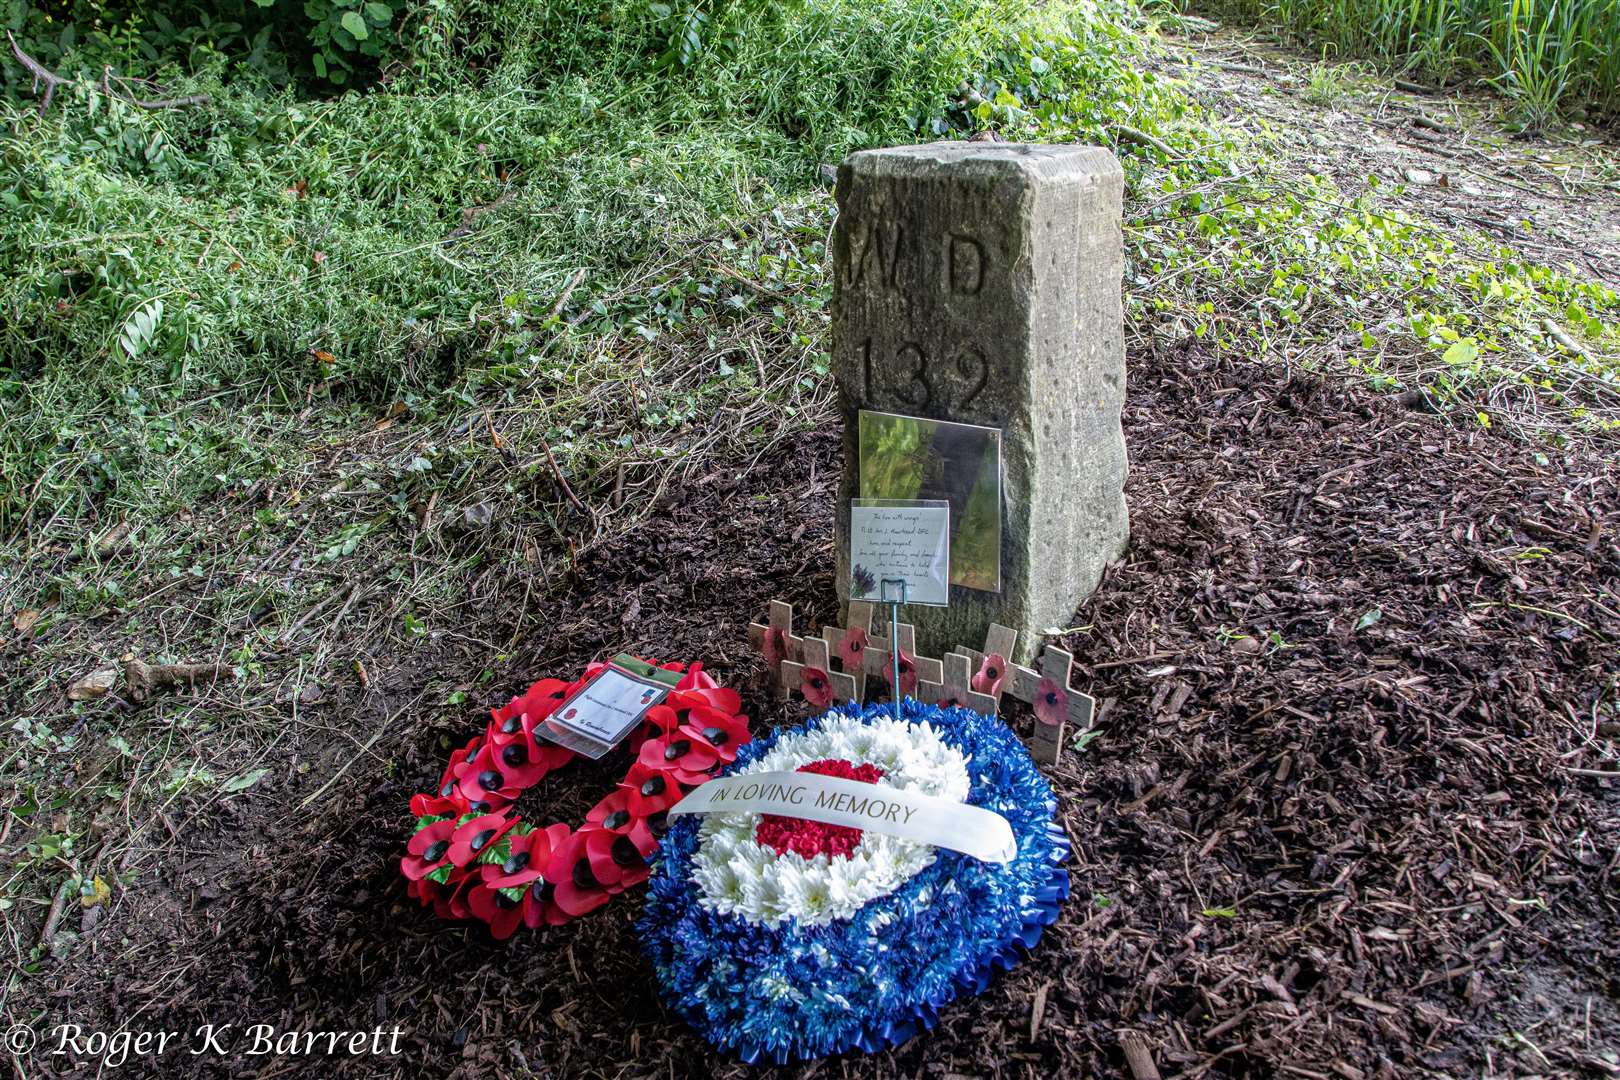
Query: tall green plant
[[1535, 57], [1542, 55]]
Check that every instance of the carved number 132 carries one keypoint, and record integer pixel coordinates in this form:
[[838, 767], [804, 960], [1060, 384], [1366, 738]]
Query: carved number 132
[[916, 387]]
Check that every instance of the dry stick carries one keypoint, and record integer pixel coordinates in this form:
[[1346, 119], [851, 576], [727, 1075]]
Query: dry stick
[[1129, 134], [472, 213], [746, 281], [145, 679], [557, 472], [55, 913], [568, 290], [287, 635], [1204, 1066], [1139, 1056], [40, 73], [1149, 658], [1558, 335], [161, 103]]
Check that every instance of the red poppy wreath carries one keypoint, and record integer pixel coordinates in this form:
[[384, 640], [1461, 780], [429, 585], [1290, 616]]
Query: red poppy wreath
[[471, 856]]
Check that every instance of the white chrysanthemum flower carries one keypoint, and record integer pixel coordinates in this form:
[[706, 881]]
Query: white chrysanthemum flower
[[736, 874]]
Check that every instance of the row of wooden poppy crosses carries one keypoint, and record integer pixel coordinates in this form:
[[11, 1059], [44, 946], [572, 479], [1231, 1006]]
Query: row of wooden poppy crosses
[[854, 663]]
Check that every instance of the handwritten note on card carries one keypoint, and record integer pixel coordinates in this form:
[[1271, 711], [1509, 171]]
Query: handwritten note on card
[[906, 541]]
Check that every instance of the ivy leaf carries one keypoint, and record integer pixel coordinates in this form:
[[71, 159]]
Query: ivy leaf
[[245, 781], [1462, 351], [354, 24]]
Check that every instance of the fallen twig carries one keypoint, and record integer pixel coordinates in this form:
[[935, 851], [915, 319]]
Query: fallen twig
[[146, 679], [471, 214], [568, 290], [557, 472], [1128, 134], [385, 726], [1149, 658], [107, 77], [1139, 1056], [52, 80], [1558, 334], [55, 914], [40, 73], [743, 280]]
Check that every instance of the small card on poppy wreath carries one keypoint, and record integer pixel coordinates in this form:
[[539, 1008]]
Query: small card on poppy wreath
[[785, 938]]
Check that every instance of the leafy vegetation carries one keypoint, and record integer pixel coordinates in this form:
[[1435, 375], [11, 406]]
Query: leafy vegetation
[[170, 270], [327, 42], [181, 284], [1539, 54]]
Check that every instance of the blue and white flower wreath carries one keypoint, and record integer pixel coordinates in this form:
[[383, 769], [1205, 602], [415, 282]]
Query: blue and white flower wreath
[[775, 957]]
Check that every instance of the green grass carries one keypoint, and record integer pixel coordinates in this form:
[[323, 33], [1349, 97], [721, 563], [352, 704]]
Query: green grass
[[1540, 54], [177, 280], [189, 293]]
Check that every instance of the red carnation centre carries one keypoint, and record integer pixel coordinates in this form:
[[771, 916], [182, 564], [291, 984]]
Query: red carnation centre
[[812, 838]]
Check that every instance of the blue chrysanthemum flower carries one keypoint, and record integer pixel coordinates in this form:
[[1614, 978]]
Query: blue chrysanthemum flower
[[776, 957]]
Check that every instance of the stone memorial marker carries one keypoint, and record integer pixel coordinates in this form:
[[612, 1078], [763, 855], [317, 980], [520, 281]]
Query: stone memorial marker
[[980, 283]]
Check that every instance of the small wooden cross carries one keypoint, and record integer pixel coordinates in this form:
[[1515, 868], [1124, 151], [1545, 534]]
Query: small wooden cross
[[781, 618], [1047, 742], [877, 657], [1000, 640], [860, 618], [956, 688], [814, 651]]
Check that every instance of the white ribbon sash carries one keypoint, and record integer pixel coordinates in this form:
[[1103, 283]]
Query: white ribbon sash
[[910, 815]]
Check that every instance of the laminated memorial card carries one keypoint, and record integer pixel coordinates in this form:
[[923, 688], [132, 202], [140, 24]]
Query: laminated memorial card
[[898, 540], [907, 457], [607, 708]]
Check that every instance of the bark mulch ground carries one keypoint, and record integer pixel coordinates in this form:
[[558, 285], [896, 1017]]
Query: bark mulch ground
[[1332, 822]]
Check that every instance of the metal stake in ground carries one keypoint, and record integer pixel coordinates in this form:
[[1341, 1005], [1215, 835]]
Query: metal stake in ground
[[893, 593]]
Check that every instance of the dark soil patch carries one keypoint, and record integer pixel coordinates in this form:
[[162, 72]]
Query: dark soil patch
[[1309, 840]]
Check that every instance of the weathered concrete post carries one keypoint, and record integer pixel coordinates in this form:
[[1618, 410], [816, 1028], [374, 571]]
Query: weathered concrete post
[[980, 283]]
